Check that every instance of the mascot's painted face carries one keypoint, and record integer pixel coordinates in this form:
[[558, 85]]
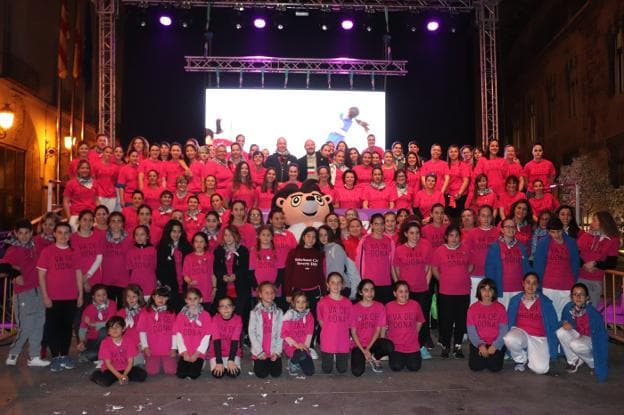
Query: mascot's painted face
[[304, 207]]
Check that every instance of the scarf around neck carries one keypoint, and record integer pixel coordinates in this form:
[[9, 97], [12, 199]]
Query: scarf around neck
[[101, 308], [193, 313], [131, 313], [85, 181], [13, 241], [110, 238]]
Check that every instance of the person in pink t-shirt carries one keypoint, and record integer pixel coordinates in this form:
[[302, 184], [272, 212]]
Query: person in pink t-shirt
[[426, 198], [365, 169], [334, 317], [436, 167], [297, 332], [265, 192], [459, 180], [158, 340], [512, 167], [117, 353], [80, 193], [482, 195], [174, 168], [141, 260], [152, 163], [451, 266], [83, 154], [265, 329], [346, 193], [509, 196], [242, 185], [368, 319], [88, 247], [486, 322], [539, 168], [377, 194], [434, 231], [374, 256], [116, 243], [192, 329], [198, 270], [196, 167], [92, 322], [478, 242], [152, 189], [226, 341], [405, 319], [388, 167], [128, 178], [132, 305], [105, 173], [541, 200], [62, 293], [493, 167], [264, 262]]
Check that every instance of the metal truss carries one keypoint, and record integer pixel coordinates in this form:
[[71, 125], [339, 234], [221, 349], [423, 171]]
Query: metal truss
[[107, 14], [486, 14], [264, 64], [453, 6]]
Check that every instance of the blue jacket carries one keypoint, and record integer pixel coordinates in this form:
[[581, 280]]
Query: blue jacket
[[541, 255], [548, 315], [599, 337], [494, 265]]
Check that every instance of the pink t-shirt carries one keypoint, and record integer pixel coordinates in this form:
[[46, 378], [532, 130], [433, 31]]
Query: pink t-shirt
[[257, 175], [495, 172], [403, 320], [244, 193], [86, 249], [265, 265], [263, 199], [412, 263], [106, 178], [548, 202], [151, 196], [478, 242], [180, 202], [582, 325], [195, 181], [348, 198], [558, 273], [199, 269], [80, 197], [452, 266], [141, 262], [298, 330], [60, 267], [596, 248], [131, 331], [542, 171], [222, 173], [192, 225], [378, 198], [487, 319], [114, 271], [128, 178], [424, 200], [511, 259], [374, 259], [388, 174], [488, 199], [148, 165], [438, 167], [364, 174], [335, 316], [26, 260], [404, 199], [158, 328], [117, 354], [434, 234], [530, 319], [267, 332], [284, 242], [226, 331], [458, 172], [90, 315], [193, 332], [366, 321], [171, 171], [505, 200], [132, 218], [413, 179]]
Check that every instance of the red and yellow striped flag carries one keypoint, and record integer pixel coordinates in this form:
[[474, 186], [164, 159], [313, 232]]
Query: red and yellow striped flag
[[77, 65], [61, 62]]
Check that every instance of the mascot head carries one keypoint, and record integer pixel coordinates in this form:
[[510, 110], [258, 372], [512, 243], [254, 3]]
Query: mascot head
[[305, 205]]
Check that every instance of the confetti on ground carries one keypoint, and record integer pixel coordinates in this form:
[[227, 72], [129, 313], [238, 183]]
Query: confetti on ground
[[300, 377], [226, 404], [230, 398], [264, 395], [315, 405], [107, 394]]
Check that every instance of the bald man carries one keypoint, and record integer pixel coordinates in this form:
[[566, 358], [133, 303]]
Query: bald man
[[309, 164], [280, 160]]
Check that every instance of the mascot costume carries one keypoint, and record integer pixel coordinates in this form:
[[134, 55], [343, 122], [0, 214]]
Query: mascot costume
[[303, 206]]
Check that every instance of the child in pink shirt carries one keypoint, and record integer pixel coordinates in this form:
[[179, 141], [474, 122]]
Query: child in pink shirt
[[297, 332], [158, 340], [264, 262], [117, 354], [334, 316], [434, 231], [141, 260], [265, 327], [368, 319], [451, 266], [405, 319], [94, 318], [478, 242], [198, 270], [226, 341], [133, 304], [192, 328]]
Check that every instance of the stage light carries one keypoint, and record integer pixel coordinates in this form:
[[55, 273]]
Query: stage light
[[433, 25], [280, 26], [165, 20], [259, 23], [324, 27], [413, 29], [238, 26], [347, 24], [369, 28]]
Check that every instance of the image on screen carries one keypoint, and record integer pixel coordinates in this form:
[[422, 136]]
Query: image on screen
[[263, 115]]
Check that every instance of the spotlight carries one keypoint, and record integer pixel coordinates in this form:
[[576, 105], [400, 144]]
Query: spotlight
[[369, 28], [433, 25], [165, 20], [413, 29], [324, 27], [280, 26], [142, 23], [238, 26], [259, 23], [347, 24]]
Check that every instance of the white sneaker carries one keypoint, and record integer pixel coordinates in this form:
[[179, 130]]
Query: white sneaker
[[11, 360], [37, 362], [313, 354]]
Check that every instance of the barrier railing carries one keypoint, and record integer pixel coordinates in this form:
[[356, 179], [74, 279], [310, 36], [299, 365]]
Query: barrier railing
[[612, 307], [8, 326]]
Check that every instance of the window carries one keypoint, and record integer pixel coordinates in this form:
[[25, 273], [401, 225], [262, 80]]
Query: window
[[532, 123], [12, 179], [551, 98], [572, 85]]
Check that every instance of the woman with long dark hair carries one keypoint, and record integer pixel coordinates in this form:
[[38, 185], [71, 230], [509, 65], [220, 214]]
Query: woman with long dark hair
[[170, 253]]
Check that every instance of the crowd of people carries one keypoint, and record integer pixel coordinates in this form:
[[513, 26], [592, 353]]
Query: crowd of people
[[164, 262]]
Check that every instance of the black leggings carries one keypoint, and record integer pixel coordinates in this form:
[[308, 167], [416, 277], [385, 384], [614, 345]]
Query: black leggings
[[313, 297], [327, 362], [58, 326], [452, 310], [107, 378], [424, 300], [399, 360], [266, 367], [493, 363], [189, 369], [304, 360], [379, 349]]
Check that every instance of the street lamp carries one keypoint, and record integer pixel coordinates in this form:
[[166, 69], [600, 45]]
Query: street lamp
[[6, 120]]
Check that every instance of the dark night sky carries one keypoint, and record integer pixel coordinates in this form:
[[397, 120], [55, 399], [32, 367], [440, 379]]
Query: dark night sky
[[434, 103]]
